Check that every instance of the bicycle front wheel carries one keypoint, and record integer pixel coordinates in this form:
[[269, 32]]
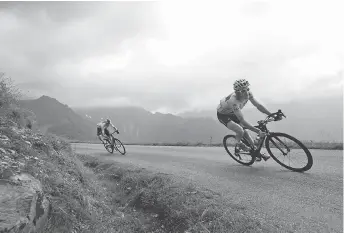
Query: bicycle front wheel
[[289, 152], [119, 146], [244, 158]]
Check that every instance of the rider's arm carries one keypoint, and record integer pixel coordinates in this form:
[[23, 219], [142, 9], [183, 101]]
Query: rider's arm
[[258, 105], [102, 130], [240, 116], [114, 127]]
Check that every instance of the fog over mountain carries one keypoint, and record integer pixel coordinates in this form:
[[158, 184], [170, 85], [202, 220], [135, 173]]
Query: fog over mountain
[[137, 125]]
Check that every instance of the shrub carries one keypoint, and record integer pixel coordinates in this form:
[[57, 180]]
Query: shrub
[[9, 94], [9, 108]]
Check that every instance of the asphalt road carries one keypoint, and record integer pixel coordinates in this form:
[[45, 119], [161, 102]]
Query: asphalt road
[[285, 200]]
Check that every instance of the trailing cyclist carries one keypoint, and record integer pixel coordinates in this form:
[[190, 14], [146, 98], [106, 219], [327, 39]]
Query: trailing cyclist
[[103, 127]]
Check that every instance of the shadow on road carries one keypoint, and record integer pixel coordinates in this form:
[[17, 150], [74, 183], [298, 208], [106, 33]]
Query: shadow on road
[[263, 171], [107, 155]]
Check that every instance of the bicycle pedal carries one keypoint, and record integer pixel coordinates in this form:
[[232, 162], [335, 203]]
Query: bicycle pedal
[[258, 159], [260, 156]]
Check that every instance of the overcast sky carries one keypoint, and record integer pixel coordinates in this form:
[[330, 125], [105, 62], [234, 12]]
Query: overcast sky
[[173, 55]]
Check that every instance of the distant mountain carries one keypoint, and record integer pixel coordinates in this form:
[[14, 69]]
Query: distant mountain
[[138, 125], [57, 118], [318, 120]]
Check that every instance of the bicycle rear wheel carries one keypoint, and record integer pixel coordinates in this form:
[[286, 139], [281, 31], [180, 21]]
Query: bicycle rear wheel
[[280, 146], [119, 146], [244, 158]]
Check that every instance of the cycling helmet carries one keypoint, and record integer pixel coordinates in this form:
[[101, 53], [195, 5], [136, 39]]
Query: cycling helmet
[[240, 84]]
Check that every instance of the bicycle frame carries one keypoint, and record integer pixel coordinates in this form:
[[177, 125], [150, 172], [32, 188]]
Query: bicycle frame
[[271, 140], [259, 146], [262, 126], [110, 138]]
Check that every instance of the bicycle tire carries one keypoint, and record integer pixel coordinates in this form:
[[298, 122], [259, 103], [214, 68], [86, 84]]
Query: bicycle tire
[[118, 142], [233, 156], [303, 147]]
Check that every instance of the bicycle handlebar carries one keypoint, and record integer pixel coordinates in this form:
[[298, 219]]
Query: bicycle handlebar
[[279, 113], [276, 116], [115, 132]]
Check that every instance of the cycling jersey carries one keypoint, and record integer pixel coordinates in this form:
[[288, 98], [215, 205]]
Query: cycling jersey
[[103, 125], [228, 103]]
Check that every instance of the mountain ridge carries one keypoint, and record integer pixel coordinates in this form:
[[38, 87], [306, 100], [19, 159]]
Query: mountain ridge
[[138, 125]]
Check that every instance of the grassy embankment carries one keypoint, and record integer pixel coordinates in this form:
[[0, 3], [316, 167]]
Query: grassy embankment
[[88, 195]]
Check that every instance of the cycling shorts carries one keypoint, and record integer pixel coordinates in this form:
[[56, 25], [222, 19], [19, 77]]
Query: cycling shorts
[[225, 118]]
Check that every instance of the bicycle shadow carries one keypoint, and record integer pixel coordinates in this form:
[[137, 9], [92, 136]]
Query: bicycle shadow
[[265, 170], [114, 154], [307, 174]]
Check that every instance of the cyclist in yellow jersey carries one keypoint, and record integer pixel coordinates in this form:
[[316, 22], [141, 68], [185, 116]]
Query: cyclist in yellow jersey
[[229, 113]]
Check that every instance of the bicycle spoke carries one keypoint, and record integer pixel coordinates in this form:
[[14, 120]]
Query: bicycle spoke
[[273, 142], [289, 152], [119, 146], [244, 158]]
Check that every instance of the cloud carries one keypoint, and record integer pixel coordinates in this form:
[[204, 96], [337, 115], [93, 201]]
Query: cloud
[[160, 55], [46, 33]]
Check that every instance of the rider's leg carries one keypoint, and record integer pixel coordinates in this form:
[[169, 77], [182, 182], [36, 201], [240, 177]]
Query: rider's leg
[[99, 133], [107, 133], [239, 131], [249, 138], [101, 137]]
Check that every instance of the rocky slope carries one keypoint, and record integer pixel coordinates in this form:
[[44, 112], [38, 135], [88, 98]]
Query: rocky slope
[[23, 205]]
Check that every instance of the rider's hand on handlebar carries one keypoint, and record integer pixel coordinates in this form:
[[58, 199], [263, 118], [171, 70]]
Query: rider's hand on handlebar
[[277, 116]]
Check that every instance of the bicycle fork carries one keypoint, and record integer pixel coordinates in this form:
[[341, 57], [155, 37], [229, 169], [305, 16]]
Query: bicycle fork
[[284, 153]]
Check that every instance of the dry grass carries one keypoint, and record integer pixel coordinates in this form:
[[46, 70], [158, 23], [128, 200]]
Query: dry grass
[[79, 202], [88, 195], [169, 205]]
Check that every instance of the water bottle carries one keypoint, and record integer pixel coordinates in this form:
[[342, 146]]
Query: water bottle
[[256, 141]]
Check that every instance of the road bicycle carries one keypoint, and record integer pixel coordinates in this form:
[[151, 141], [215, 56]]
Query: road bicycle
[[111, 144], [280, 146]]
